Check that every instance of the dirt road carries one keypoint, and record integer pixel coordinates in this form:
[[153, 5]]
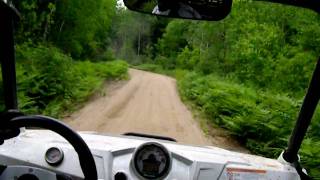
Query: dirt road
[[147, 103]]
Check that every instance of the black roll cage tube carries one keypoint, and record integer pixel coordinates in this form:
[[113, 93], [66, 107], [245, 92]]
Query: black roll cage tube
[[8, 16]]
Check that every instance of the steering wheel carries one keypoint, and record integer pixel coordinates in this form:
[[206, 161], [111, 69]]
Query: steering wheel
[[86, 159]]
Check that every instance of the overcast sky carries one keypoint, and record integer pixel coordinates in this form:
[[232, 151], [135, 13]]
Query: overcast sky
[[120, 3]]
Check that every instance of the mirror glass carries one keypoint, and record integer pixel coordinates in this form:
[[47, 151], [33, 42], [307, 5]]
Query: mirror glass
[[212, 10]]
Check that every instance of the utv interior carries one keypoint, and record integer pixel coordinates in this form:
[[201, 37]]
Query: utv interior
[[36, 147]]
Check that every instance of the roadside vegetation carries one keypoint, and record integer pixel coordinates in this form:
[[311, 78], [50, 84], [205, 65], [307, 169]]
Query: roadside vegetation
[[247, 73], [51, 83], [62, 54], [261, 120]]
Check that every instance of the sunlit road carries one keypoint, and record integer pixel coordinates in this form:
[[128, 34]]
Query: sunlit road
[[147, 103]]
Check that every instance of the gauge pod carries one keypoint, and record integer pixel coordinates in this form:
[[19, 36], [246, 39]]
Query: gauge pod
[[54, 156], [151, 161]]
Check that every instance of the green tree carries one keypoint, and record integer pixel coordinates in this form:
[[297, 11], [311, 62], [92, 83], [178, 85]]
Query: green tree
[[82, 27]]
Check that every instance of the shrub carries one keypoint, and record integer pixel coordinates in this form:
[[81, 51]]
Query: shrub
[[50, 82], [262, 121]]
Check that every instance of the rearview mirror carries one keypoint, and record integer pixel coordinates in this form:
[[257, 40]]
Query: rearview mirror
[[212, 10]]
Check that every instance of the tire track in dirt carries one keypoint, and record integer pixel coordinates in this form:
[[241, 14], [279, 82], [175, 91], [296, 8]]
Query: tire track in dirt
[[148, 103]]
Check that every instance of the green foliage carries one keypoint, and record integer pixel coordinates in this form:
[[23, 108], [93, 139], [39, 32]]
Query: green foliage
[[154, 68], [188, 59], [261, 120], [173, 39], [310, 155], [269, 46], [81, 27], [36, 20], [108, 55], [149, 67], [134, 34], [78, 27], [50, 82], [300, 65], [43, 74]]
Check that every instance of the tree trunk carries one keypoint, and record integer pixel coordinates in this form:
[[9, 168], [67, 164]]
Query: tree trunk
[[47, 26]]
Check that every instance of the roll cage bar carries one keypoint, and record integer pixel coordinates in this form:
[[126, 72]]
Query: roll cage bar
[[8, 16]]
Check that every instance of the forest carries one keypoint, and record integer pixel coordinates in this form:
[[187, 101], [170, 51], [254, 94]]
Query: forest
[[247, 73]]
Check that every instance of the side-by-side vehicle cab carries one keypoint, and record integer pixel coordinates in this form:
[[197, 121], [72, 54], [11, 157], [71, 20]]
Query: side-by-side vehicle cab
[[56, 152]]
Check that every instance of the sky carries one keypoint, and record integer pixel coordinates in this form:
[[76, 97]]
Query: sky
[[120, 3]]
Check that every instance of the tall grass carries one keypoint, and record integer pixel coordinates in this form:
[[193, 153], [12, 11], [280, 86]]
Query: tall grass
[[260, 120], [51, 83]]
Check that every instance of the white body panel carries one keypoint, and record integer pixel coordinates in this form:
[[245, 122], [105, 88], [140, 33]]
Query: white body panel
[[114, 153]]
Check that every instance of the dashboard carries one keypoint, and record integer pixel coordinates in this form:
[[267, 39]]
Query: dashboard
[[41, 154]]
